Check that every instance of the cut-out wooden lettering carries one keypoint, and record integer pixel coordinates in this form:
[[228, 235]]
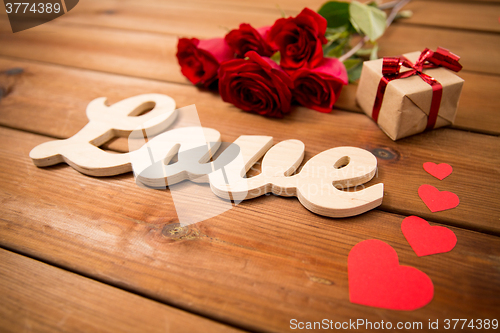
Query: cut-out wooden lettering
[[82, 151], [324, 185], [320, 184]]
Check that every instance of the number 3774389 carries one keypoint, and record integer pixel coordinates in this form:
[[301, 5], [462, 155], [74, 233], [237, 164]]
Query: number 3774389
[[470, 323], [32, 8]]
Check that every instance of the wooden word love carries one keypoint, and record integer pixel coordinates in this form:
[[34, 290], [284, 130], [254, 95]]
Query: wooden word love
[[82, 151], [319, 185]]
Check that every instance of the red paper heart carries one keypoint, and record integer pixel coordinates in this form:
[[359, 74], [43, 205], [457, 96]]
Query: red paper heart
[[440, 171], [437, 200], [426, 240], [376, 279]]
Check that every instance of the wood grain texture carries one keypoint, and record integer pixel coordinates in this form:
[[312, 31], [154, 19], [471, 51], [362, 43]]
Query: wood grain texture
[[207, 19], [214, 17], [34, 92], [253, 266], [152, 55], [106, 51], [400, 39], [267, 260], [466, 15], [22, 80], [37, 297], [294, 6]]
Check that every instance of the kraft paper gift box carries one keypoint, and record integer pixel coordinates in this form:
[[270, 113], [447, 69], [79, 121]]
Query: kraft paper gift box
[[406, 102]]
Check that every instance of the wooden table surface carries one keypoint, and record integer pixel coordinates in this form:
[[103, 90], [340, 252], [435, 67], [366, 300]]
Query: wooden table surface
[[81, 253]]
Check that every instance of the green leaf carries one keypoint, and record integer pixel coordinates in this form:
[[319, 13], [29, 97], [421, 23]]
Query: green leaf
[[333, 37], [333, 34], [364, 52], [276, 57], [331, 31], [367, 19], [355, 72], [336, 49], [351, 63], [336, 13], [353, 66]]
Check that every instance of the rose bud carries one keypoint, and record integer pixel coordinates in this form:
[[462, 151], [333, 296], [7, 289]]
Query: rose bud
[[319, 88], [247, 38], [200, 59], [300, 39], [256, 85]]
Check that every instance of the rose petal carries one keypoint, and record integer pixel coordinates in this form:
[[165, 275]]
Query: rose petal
[[218, 48], [256, 85], [333, 67]]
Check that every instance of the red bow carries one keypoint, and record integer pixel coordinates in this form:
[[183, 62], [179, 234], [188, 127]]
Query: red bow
[[391, 70]]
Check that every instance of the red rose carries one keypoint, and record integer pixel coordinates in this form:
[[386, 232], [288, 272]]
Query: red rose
[[256, 85], [319, 88], [247, 38], [200, 59], [300, 39]]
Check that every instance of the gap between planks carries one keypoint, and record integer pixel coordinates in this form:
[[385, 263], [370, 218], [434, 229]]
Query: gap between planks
[[346, 100], [112, 146], [106, 42], [58, 100], [399, 197], [147, 313], [306, 242], [462, 15]]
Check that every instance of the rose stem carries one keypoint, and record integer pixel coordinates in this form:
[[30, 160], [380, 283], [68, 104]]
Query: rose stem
[[396, 6]]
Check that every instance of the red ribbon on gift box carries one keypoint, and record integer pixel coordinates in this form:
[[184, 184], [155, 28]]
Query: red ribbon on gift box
[[391, 70]]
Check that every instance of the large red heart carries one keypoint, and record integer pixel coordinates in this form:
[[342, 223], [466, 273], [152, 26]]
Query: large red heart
[[376, 279], [426, 240], [440, 171], [437, 200]]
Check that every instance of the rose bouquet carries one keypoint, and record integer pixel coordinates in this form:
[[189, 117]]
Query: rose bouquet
[[304, 59]]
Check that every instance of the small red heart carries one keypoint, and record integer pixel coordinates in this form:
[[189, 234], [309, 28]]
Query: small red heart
[[437, 200], [440, 171], [376, 279], [426, 240]]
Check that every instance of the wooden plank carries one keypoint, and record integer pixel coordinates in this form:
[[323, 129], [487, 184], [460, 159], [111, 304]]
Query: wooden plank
[[461, 15], [41, 298], [243, 5], [211, 17], [104, 51], [152, 55], [254, 266], [170, 17], [54, 99], [297, 5], [479, 93], [400, 39], [123, 52]]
